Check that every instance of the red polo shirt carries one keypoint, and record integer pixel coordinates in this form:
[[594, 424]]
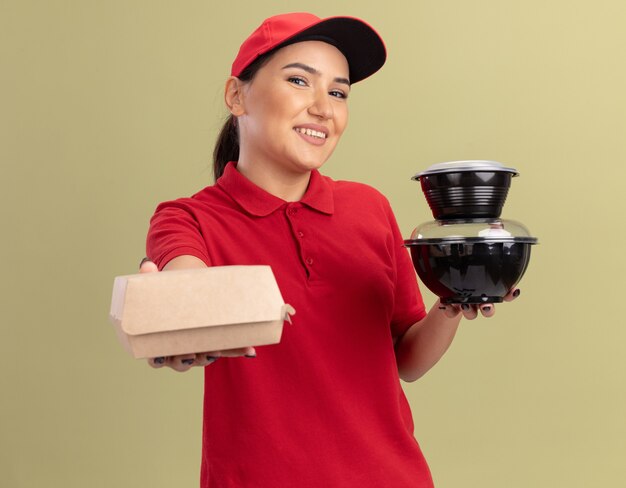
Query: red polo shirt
[[324, 408]]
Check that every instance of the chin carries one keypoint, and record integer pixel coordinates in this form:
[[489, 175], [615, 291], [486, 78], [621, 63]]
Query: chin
[[310, 163]]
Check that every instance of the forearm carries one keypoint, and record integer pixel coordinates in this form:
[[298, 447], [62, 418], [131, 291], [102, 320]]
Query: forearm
[[425, 342], [184, 262]]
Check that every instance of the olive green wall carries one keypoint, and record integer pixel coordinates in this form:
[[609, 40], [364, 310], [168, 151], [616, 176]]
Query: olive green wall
[[109, 107]]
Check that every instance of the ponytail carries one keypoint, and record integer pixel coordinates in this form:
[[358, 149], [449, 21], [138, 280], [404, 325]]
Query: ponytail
[[227, 144], [226, 147]]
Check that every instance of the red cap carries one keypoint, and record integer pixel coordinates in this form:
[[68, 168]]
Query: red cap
[[358, 41]]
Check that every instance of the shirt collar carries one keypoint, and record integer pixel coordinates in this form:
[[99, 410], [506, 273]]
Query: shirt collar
[[256, 201]]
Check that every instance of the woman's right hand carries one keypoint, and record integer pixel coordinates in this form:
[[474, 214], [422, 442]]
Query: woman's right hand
[[185, 362]]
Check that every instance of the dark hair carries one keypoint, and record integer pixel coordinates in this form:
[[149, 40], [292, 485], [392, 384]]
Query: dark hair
[[227, 143]]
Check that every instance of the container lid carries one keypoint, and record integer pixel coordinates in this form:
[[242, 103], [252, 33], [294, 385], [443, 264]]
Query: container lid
[[465, 166], [474, 230]]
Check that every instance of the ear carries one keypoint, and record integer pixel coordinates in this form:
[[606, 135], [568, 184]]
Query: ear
[[233, 96]]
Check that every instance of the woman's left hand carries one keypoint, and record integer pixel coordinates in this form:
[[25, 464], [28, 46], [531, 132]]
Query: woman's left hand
[[470, 311]]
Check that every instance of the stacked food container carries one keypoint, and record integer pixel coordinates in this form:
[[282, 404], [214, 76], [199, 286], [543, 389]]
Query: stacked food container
[[468, 254]]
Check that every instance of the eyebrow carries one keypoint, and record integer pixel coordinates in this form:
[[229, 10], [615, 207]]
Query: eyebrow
[[313, 71]]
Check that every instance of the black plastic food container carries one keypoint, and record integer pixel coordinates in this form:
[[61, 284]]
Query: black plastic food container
[[473, 261], [466, 189]]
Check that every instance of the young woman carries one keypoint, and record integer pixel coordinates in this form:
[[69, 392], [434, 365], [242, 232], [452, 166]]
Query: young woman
[[324, 408]]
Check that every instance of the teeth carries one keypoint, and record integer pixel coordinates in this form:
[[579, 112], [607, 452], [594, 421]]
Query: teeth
[[310, 132]]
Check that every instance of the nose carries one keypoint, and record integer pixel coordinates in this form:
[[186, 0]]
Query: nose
[[321, 105]]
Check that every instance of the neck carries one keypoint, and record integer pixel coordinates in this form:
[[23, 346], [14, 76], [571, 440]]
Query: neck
[[288, 186]]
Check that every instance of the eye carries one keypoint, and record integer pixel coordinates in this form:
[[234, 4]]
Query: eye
[[338, 94], [296, 80]]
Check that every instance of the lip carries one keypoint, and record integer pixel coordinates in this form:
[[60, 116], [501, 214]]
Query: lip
[[310, 139]]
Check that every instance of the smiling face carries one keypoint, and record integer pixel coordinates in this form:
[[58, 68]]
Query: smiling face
[[294, 111]]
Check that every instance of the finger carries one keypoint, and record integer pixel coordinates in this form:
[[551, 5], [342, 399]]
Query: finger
[[469, 311], [450, 310], [206, 358], [157, 362], [487, 309], [147, 266], [181, 363], [512, 295], [248, 352]]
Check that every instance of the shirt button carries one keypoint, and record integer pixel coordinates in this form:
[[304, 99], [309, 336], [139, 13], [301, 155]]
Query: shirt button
[[300, 233], [292, 211], [309, 261]]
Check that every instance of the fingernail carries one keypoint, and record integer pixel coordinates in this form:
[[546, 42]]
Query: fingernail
[[250, 355], [187, 361], [465, 306], [159, 360], [143, 261], [487, 308], [212, 359], [516, 293]]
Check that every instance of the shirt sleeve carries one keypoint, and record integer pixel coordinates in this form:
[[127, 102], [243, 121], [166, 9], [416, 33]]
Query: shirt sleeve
[[408, 305], [175, 231]]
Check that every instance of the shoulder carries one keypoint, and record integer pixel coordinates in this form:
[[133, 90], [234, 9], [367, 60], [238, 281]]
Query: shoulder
[[352, 192], [200, 201]]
